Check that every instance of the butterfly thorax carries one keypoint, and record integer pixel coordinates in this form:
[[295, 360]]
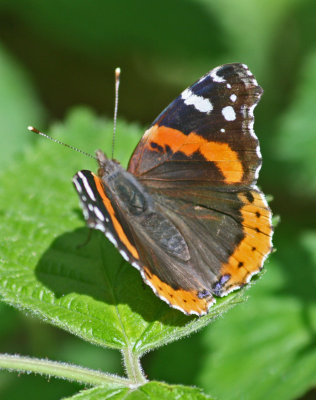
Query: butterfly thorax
[[124, 187]]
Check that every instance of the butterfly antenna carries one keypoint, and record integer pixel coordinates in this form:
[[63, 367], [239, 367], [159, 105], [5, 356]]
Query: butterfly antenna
[[117, 84], [32, 129]]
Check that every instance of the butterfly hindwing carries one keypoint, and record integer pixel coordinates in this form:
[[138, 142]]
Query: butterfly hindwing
[[133, 241], [227, 234]]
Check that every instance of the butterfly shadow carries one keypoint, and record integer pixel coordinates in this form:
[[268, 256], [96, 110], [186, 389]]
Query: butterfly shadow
[[75, 264]]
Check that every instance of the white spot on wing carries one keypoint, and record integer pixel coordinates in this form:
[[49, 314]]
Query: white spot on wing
[[200, 103], [215, 77], [251, 108], [256, 174], [250, 74], [100, 227], [233, 97], [254, 80], [87, 186], [248, 122], [229, 86], [223, 130], [124, 255], [137, 266], [85, 213], [77, 184], [111, 238], [98, 213], [250, 127], [229, 113]]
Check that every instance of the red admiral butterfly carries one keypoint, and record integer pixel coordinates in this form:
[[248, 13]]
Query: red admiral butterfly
[[187, 213]]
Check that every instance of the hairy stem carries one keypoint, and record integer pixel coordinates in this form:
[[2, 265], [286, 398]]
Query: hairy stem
[[133, 367], [60, 370]]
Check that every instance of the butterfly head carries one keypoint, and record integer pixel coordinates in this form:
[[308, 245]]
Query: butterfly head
[[106, 166]]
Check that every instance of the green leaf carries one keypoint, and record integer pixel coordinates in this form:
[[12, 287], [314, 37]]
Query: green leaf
[[266, 348], [88, 290], [18, 106], [151, 390], [257, 25], [295, 146]]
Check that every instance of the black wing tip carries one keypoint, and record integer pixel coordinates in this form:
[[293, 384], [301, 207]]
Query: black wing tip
[[236, 70]]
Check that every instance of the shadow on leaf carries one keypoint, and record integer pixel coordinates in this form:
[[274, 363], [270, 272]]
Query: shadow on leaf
[[96, 269]]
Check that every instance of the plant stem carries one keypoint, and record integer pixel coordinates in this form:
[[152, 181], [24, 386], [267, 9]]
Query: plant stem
[[60, 370], [133, 367]]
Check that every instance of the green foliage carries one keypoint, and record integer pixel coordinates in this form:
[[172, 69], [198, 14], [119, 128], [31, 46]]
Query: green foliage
[[152, 390], [66, 51], [270, 336], [89, 291], [18, 104], [273, 337], [296, 144]]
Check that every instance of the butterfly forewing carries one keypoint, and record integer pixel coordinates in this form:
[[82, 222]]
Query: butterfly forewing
[[209, 124]]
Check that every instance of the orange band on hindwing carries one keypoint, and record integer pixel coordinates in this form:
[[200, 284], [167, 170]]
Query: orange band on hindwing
[[248, 257], [188, 301]]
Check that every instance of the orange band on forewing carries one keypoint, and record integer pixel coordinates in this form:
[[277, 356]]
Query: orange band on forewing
[[221, 154], [187, 301], [249, 255], [117, 226]]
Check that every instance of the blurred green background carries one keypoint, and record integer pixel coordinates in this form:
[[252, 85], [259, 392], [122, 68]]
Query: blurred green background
[[58, 55]]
